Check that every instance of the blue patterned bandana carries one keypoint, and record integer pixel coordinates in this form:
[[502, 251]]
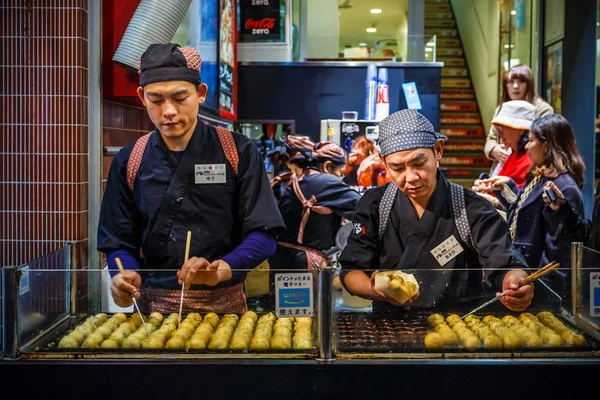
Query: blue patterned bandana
[[406, 130]]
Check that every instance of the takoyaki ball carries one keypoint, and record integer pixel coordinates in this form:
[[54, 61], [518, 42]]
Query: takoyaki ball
[[195, 316], [448, 337], [457, 322], [281, 342], [533, 341], [433, 340], [152, 343], [212, 318], [452, 317], [84, 330], [470, 318], [441, 326], [458, 329], [552, 339], [282, 331], [218, 342], [109, 344], [183, 334], [507, 319], [97, 336], [157, 316], [189, 326], [303, 344], [121, 317], [545, 314], [235, 317], [127, 328], [102, 317], [175, 342], [270, 316], [91, 343], [527, 315], [118, 336], [492, 341], [263, 330], [302, 326], [260, 343], [140, 335], [131, 342], [471, 342], [191, 322], [104, 330], [135, 318], [510, 340], [245, 328], [536, 327], [488, 318], [169, 322], [284, 322], [78, 336], [68, 342], [239, 343], [252, 315], [154, 322], [224, 330], [196, 342], [574, 339], [204, 327]]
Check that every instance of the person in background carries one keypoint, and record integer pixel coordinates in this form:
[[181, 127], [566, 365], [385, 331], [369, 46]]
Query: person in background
[[517, 84], [184, 176], [294, 156], [512, 125], [401, 224], [536, 229], [313, 205]]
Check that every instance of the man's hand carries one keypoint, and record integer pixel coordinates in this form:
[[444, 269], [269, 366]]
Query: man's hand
[[380, 296], [495, 202], [517, 298], [123, 284], [499, 153], [199, 271]]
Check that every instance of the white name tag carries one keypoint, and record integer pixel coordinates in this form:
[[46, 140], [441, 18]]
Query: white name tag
[[210, 173], [447, 250]]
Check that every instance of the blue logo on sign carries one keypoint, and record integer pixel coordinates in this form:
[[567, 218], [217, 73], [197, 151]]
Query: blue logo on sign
[[297, 297], [597, 297]]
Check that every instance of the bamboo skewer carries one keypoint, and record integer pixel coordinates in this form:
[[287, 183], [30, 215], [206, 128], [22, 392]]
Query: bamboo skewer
[[187, 256]]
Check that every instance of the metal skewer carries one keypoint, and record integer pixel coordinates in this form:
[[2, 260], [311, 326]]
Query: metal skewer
[[135, 305], [187, 256]]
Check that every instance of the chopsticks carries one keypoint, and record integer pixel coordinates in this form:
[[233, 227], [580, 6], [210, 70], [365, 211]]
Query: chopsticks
[[187, 256], [540, 272], [135, 305]]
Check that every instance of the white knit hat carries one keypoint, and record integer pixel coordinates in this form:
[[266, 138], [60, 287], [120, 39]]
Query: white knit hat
[[517, 114]]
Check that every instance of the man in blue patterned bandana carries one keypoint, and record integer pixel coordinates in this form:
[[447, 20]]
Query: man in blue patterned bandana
[[456, 245]]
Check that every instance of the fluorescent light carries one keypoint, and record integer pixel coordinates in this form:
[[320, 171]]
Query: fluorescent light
[[512, 46], [426, 54], [371, 30], [513, 12], [362, 44], [431, 44], [428, 49], [376, 11]]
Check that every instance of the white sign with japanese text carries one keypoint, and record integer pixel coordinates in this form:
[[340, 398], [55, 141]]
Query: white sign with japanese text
[[294, 295]]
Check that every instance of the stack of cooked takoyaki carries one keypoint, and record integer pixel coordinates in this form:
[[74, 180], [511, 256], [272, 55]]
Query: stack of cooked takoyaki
[[495, 333], [194, 332]]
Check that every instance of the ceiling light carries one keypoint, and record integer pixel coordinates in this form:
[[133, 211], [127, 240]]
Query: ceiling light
[[376, 11], [426, 54], [512, 46], [428, 49], [513, 12], [431, 44], [362, 44], [371, 30]]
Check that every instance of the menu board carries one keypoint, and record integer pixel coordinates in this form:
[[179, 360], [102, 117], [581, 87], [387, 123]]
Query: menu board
[[228, 60], [260, 21]]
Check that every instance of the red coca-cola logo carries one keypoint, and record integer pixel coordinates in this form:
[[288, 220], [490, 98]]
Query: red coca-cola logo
[[265, 23]]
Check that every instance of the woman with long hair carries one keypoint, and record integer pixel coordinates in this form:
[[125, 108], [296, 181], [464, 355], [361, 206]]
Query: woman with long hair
[[535, 228], [517, 84]]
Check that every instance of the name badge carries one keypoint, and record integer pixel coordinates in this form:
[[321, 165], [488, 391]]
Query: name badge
[[447, 250], [210, 173]]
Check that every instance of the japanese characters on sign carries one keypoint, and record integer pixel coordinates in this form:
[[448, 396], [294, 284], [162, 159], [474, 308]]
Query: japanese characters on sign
[[294, 295]]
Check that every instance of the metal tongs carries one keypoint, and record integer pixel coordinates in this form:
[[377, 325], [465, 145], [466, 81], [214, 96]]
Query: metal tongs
[[135, 305], [187, 255], [530, 279]]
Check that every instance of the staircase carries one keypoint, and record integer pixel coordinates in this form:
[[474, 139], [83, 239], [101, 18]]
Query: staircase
[[459, 114]]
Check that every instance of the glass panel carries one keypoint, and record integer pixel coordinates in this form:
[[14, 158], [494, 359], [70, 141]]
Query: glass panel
[[256, 19], [243, 320], [432, 326]]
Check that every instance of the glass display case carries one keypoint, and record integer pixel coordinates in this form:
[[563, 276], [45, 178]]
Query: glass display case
[[300, 323]]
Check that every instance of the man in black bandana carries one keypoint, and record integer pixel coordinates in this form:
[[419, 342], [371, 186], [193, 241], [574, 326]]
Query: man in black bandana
[[185, 176], [401, 225]]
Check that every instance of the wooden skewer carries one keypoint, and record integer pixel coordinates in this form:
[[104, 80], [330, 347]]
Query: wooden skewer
[[135, 306], [187, 256], [119, 264], [539, 273]]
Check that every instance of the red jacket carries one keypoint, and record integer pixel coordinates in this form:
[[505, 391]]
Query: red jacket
[[516, 167]]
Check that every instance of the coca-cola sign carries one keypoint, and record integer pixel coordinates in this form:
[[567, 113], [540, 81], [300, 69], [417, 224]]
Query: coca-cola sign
[[260, 21]]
